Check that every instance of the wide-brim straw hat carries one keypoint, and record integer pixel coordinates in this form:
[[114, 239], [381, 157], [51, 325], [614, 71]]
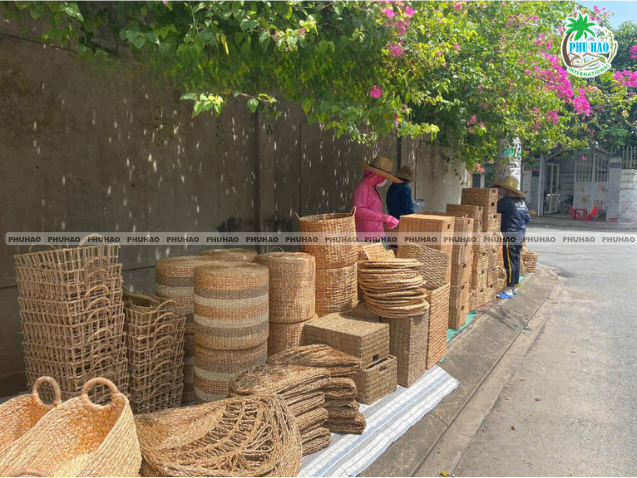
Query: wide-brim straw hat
[[511, 184], [382, 166], [405, 173]]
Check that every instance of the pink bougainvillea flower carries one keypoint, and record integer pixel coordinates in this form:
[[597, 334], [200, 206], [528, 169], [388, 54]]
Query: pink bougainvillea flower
[[584, 158], [401, 27], [395, 50], [482, 124], [551, 117], [472, 120], [617, 75], [409, 11], [375, 92], [396, 119], [457, 46], [548, 45], [302, 31], [438, 53], [457, 6], [389, 13]]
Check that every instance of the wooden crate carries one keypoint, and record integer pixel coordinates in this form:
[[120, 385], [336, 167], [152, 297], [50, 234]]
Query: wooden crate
[[377, 380], [408, 339], [365, 339], [428, 230], [458, 316], [461, 273], [438, 321], [458, 296]]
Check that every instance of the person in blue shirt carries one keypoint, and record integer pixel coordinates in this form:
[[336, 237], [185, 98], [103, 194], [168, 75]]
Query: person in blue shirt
[[399, 202], [515, 217]]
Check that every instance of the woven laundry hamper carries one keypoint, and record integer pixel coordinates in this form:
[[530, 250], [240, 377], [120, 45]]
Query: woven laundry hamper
[[284, 336], [215, 369], [336, 289], [233, 254], [377, 380], [438, 322], [338, 228], [231, 306], [435, 265], [292, 286], [408, 343]]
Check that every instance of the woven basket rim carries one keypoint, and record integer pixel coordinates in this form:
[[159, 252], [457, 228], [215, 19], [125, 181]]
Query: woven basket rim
[[331, 216]]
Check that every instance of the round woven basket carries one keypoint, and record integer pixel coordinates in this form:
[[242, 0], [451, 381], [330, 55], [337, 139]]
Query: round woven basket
[[284, 336], [292, 286], [215, 369], [234, 254], [231, 306], [336, 290], [337, 227]]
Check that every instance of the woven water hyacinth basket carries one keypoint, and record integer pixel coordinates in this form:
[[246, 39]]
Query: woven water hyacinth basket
[[351, 424], [311, 419], [231, 306], [408, 343], [284, 336], [435, 266], [292, 285], [337, 228], [336, 289], [377, 380], [232, 254], [337, 363], [529, 259], [339, 388], [438, 323], [315, 440], [79, 438], [458, 315], [248, 436], [20, 414], [288, 381], [216, 369], [303, 404], [375, 252], [465, 210], [434, 231]]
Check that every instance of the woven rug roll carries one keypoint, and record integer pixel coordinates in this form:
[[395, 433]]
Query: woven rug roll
[[336, 289], [284, 337], [231, 306], [215, 369], [232, 254], [292, 285]]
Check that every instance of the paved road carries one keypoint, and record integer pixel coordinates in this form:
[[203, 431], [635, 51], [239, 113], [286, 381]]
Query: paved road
[[573, 399]]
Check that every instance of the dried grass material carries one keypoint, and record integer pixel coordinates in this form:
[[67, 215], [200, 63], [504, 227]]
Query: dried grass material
[[339, 388], [284, 336], [316, 440], [465, 210], [436, 231], [408, 343], [339, 227], [377, 380], [341, 407], [312, 419], [249, 436], [438, 322], [374, 252], [232, 254], [303, 404], [79, 438], [66, 292], [435, 265], [231, 306], [288, 381], [336, 289], [529, 259], [292, 286], [364, 339], [337, 363], [354, 426], [20, 414], [216, 369]]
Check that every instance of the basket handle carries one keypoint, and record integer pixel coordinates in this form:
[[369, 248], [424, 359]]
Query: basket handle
[[297, 215], [57, 393], [96, 287], [101, 273], [166, 303], [272, 249], [99, 299], [95, 234], [353, 211], [41, 244], [168, 339], [159, 365], [28, 472], [96, 381], [161, 328], [99, 332]]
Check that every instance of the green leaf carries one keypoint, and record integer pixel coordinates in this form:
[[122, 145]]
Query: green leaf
[[253, 104], [189, 96], [197, 109]]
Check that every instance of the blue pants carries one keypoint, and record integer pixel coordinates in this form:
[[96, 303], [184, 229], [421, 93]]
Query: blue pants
[[511, 254]]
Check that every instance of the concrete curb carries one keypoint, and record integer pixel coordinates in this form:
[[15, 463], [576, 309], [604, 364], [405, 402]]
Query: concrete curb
[[472, 356]]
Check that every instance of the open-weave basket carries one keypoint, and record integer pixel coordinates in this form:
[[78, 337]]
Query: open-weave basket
[[231, 306], [340, 228], [233, 254], [435, 266], [336, 289], [247, 436], [292, 285], [79, 438], [337, 363], [20, 414]]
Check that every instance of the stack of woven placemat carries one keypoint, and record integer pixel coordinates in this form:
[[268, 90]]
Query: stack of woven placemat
[[393, 288], [301, 389], [340, 391]]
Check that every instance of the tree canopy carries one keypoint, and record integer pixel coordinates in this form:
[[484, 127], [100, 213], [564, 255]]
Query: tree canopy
[[464, 73]]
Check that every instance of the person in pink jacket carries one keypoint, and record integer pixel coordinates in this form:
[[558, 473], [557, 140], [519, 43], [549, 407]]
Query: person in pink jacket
[[368, 202]]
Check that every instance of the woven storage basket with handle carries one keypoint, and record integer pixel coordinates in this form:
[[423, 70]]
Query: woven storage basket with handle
[[232, 254], [340, 228], [377, 380], [79, 438], [248, 436], [292, 285], [435, 266], [20, 414], [438, 323], [336, 289]]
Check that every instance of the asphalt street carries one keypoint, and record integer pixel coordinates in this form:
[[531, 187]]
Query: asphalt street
[[570, 406]]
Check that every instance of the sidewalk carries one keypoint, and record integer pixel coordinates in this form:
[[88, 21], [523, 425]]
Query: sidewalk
[[471, 358]]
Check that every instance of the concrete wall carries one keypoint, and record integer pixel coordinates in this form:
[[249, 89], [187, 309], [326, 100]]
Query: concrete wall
[[85, 148], [628, 196]]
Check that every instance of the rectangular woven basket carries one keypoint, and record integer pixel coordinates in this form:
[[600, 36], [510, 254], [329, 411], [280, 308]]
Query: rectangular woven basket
[[408, 339], [458, 316], [365, 339], [461, 273], [435, 231], [458, 296], [438, 320], [377, 380]]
